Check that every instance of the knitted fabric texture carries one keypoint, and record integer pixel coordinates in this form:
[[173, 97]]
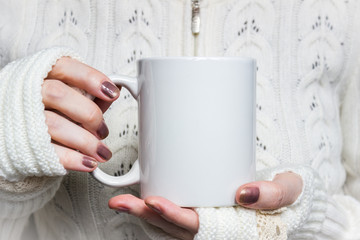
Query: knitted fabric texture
[[22, 118], [309, 211], [19, 200], [29, 184], [226, 223], [307, 109], [270, 227]]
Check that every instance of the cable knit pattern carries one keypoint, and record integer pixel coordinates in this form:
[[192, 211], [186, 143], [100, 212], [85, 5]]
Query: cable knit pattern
[[307, 110]]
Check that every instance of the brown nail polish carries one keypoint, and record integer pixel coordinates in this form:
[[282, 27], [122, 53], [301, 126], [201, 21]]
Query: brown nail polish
[[154, 208], [249, 195], [104, 152], [102, 131], [89, 162], [123, 209], [109, 89]]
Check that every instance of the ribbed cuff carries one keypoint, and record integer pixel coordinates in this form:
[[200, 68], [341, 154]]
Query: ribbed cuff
[[226, 223], [25, 145]]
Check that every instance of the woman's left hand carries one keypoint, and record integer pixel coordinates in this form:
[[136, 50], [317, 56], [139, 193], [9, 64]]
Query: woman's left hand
[[183, 223]]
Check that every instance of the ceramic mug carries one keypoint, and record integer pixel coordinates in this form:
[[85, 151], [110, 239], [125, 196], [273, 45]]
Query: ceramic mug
[[196, 129]]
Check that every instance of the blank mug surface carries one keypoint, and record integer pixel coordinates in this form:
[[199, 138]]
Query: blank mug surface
[[196, 128]]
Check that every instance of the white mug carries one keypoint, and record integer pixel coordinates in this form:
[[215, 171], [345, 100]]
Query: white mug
[[196, 129]]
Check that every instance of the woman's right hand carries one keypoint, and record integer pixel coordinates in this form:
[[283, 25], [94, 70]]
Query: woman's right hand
[[75, 122]]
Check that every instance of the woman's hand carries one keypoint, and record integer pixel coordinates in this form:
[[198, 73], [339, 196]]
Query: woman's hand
[[75, 123], [183, 223]]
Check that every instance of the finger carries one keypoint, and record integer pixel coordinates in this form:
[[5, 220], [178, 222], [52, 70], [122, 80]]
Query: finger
[[183, 217], [135, 206], [73, 136], [281, 192], [103, 105], [57, 95], [73, 160], [84, 77]]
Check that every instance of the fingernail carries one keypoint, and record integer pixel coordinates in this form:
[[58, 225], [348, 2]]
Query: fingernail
[[249, 195], [104, 152], [154, 208], [89, 162], [109, 89], [102, 131], [123, 209]]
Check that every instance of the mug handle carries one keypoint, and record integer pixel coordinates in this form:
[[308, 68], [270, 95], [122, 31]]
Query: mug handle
[[133, 176]]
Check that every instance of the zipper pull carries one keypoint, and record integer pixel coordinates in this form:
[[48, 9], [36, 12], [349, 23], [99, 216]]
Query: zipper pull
[[195, 17]]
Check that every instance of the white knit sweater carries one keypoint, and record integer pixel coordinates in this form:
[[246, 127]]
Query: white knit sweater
[[308, 110]]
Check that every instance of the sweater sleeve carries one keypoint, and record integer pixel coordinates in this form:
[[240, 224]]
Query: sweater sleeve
[[314, 215], [317, 214], [25, 145], [30, 171]]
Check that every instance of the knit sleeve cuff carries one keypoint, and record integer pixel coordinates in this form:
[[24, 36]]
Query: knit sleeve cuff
[[314, 211], [25, 145], [226, 223]]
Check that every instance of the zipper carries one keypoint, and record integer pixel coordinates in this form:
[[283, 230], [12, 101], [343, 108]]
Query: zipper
[[195, 23], [195, 17]]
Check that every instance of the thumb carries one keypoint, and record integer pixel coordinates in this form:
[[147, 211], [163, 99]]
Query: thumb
[[282, 191]]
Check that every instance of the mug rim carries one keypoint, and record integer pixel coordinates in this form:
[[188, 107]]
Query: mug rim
[[194, 58]]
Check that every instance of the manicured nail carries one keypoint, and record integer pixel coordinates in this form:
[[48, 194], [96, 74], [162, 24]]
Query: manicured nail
[[104, 152], [89, 162], [249, 195], [154, 208], [109, 89], [102, 131], [123, 209]]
